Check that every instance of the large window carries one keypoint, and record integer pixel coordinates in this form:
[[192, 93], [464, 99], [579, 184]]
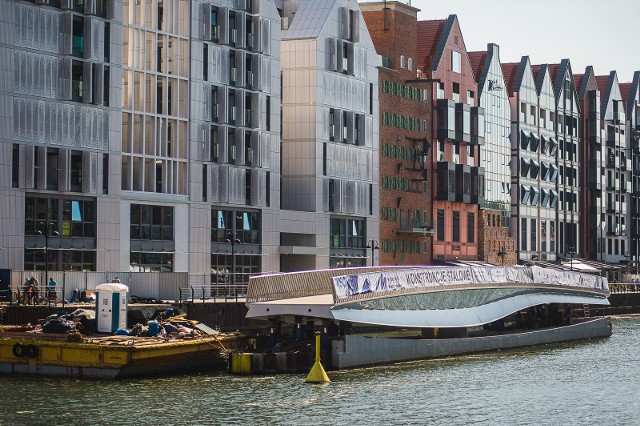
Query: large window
[[456, 61], [70, 218], [151, 222], [151, 262], [347, 233], [246, 226], [78, 218], [222, 265]]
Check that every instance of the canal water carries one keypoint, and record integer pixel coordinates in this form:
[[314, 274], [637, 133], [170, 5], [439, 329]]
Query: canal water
[[594, 382]]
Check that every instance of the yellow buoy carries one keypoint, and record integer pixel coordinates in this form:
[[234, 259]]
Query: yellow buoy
[[317, 373]]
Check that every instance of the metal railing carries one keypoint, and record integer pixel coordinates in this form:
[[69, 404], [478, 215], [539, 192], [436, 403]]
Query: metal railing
[[213, 292]]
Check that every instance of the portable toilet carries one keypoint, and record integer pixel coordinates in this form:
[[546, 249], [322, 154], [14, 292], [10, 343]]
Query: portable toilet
[[111, 307]]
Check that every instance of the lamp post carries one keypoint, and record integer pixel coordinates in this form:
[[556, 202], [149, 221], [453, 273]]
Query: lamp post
[[47, 233], [502, 253], [572, 252], [231, 238], [373, 245]]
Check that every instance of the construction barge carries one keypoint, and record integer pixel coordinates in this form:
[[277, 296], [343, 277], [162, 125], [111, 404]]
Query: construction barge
[[97, 344], [109, 357]]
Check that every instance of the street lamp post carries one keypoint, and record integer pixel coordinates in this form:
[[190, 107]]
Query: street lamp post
[[502, 253], [231, 238], [373, 245], [572, 252], [47, 233]]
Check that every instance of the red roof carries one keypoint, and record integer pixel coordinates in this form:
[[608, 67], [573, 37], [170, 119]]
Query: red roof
[[577, 81], [536, 70], [603, 83], [553, 71], [477, 63], [429, 34], [625, 91], [510, 71]]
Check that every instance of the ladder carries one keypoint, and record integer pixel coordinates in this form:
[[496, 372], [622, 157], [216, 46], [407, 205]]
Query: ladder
[[585, 311]]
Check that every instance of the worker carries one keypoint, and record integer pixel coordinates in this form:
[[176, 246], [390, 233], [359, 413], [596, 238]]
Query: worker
[[51, 291]]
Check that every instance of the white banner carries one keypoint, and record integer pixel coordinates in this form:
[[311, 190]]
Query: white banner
[[346, 286]]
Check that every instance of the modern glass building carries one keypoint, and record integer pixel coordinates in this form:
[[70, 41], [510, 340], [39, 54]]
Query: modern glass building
[[329, 190], [148, 139]]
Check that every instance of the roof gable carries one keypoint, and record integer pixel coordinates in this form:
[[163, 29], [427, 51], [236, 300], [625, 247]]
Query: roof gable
[[428, 37], [510, 70], [632, 95], [477, 60]]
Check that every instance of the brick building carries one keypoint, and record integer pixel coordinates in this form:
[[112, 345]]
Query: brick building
[[405, 201], [458, 182]]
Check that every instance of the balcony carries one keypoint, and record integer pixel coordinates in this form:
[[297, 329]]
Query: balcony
[[446, 181], [477, 125], [463, 122], [446, 119], [614, 231], [635, 143], [611, 208]]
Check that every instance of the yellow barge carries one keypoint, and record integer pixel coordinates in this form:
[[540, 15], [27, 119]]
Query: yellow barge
[[110, 357]]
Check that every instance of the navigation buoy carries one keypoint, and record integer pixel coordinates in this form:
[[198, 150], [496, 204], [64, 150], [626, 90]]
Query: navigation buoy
[[317, 373]]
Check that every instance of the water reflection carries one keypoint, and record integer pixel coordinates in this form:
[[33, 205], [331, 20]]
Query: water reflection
[[593, 381]]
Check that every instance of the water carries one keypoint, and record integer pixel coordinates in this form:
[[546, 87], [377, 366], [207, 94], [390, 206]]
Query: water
[[594, 382]]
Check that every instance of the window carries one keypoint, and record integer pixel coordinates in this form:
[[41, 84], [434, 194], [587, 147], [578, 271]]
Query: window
[[77, 37], [456, 227], [15, 166], [456, 92], [523, 234], [347, 233], [471, 231], [534, 228], [410, 64], [456, 61], [52, 169], [533, 114], [77, 91], [402, 61], [471, 98], [440, 224], [76, 171], [151, 222], [332, 124]]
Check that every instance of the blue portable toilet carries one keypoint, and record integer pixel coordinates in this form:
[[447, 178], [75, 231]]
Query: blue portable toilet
[[111, 307]]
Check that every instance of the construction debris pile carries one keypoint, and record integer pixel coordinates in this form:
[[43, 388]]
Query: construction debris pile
[[169, 325]]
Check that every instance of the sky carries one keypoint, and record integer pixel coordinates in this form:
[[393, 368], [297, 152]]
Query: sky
[[601, 33]]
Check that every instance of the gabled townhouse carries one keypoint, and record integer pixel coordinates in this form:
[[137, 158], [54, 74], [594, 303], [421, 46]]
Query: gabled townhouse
[[569, 183], [495, 245], [534, 172], [593, 225], [329, 154], [458, 183], [406, 225], [631, 93], [617, 184]]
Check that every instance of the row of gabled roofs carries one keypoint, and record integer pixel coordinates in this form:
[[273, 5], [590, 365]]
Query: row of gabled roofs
[[433, 36]]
